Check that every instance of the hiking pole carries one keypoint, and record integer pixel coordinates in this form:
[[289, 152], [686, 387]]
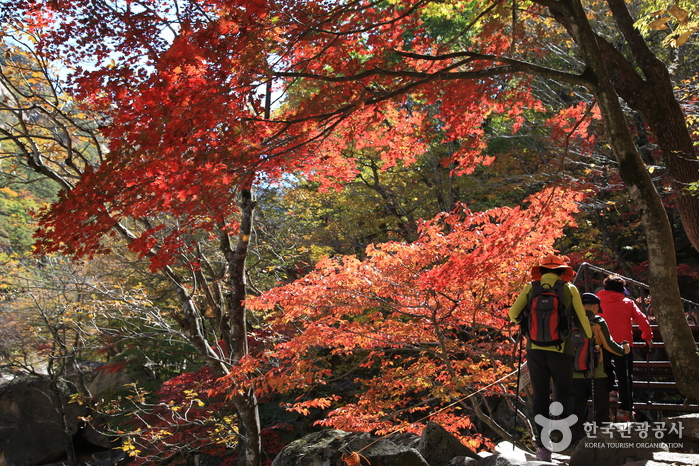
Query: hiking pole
[[592, 375], [519, 373], [650, 398]]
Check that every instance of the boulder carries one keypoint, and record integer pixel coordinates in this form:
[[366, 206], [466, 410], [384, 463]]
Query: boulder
[[32, 414], [462, 461], [439, 447], [109, 380], [689, 423], [618, 443], [498, 460], [663, 458], [407, 439], [111, 458], [328, 447]]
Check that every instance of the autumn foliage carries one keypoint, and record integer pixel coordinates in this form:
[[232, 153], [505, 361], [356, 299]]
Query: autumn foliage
[[413, 328], [188, 118], [201, 101]]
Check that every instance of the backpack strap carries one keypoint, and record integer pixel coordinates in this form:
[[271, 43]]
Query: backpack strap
[[568, 301]]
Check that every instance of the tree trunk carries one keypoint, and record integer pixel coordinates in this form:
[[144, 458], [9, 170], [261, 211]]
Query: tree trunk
[[652, 95], [667, 302], [250, 450], [60, 397]]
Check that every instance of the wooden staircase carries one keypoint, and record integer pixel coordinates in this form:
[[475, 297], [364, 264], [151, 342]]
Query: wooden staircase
[[654, 386]]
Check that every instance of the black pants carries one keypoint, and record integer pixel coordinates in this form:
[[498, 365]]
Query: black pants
[[546, 367], [582, 391], [621, 369]]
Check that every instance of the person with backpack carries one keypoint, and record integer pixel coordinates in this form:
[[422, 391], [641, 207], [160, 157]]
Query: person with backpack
[[545, 309], [620, 311], [589, 366]]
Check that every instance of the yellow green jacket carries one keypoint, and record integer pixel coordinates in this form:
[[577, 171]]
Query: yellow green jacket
[[578, 311]]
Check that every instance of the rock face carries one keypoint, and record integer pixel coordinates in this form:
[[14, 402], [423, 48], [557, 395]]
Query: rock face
[[106, 382], [328, 447], [617, 445], [690, 426], [436, 447], [34, 428], [439, 447]]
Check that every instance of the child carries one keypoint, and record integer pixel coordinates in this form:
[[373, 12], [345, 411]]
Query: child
[[582, 382]]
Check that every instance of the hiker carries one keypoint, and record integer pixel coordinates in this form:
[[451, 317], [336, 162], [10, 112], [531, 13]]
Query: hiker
[[619, 310], [582, 383], [554, 362]]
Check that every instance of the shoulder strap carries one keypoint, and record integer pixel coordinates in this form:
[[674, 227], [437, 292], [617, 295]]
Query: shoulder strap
[[601, 340], [536, 288], [597, 334]]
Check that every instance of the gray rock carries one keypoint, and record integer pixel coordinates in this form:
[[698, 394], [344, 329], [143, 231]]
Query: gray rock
[[690, 426], [105, 383], [616, 445], [462, 461], [439, 447], [109, 458], [407, 439], [496, 460], [500, 460], [668, 459], [32, 429], [326, 448], [311, 450]]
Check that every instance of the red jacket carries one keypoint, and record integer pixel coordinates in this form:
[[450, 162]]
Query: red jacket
[[619, 311]]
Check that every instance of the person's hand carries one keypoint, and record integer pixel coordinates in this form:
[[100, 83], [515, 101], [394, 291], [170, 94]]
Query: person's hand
[[627, 347], [649, 343]]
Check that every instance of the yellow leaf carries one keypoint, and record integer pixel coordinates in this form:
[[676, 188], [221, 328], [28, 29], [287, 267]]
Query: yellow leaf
[[659, 24], [681, 15], [682, 38]]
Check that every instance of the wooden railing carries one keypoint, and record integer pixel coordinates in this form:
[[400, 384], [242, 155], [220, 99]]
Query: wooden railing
[[654, 386]]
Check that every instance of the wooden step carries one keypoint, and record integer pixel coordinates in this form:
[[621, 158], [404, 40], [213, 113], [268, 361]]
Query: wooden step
[[657, 406], [652, 385]]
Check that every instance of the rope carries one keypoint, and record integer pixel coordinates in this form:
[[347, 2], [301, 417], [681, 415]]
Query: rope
[[354, 458]]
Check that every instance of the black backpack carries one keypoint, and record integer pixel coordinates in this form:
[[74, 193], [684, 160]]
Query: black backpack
[[586, 351], [546, 320]]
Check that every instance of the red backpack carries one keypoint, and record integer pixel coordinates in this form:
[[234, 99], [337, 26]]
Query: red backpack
[[546, 320], [587, 353]]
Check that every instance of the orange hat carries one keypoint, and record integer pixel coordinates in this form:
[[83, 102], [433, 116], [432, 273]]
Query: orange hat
[[553, 262]]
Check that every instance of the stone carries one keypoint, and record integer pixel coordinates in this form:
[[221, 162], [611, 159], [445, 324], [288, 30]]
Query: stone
[[497, 460], [663, 458], [438, 446], [327, 448], [110, 458], [108, 381], [407, 439], [620, 444], [462, 461], [511, 452], [690, 425], [32, 430]]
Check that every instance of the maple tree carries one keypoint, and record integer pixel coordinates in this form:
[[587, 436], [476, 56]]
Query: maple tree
[[185, 92], [49, 133], [423, 324], [48, 331]]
